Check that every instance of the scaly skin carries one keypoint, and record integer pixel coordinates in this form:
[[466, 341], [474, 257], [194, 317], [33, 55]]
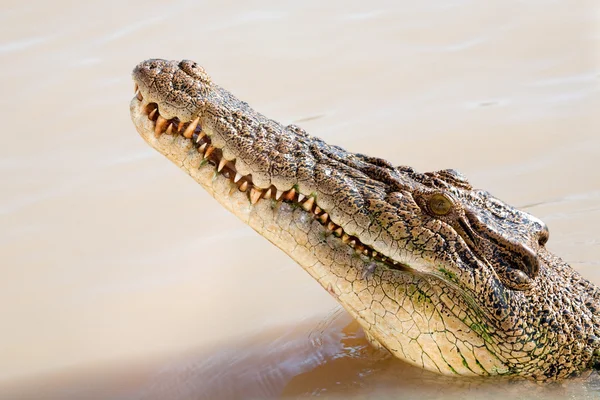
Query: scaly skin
[[443, 276]]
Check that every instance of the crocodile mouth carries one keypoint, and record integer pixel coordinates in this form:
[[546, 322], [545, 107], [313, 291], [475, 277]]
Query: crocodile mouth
[[192, 130]]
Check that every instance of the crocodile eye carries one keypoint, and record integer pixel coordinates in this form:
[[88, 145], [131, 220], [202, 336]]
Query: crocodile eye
[[439, 204]]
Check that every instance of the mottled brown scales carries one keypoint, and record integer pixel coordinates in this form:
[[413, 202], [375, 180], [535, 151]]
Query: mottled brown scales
[[443, 276]]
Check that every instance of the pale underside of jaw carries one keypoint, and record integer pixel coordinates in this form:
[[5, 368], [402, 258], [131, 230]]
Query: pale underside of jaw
[[192, 130]]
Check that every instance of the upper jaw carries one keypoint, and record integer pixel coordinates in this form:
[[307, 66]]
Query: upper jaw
[[160, 90], [153, 122], [153, 126]]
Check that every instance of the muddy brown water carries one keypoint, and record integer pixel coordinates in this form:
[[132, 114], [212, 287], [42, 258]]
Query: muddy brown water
[[121, 278]]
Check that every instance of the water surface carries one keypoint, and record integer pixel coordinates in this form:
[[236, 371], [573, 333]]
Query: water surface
[[121, 278]]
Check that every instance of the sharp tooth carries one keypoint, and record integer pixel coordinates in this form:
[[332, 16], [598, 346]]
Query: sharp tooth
[[255, 195], [267, 194], [289, 195], [278, 194], [201, 148], [323, 217], [244, 186], [366, 251], [149, 107], [180, 126], [317, 210], [222, 163], [139, 95], [238, 176], [200, 136], [331, 226], [308, 204], [300, 197], [345, 238], [339, 231], [209, 151], [153, 114], [170, 129], [352, 243], [189, 131], [161, 123], [374, 254]]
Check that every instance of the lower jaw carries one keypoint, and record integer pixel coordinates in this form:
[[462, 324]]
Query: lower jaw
[[269, 217], [288, 226], [186, 145]]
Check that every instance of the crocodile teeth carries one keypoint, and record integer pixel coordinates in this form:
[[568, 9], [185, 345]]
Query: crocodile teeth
[[161, 124], [136, 90], [255, 195], [222, 163], [308, 204], [189, 131], [323, 218], [209, 151], [243, 183], [289, 195]]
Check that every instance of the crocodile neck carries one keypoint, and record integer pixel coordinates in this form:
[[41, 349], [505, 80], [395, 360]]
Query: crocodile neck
[[443, 276]]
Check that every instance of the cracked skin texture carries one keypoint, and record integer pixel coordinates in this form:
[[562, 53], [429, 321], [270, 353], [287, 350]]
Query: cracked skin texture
[[477, 292]]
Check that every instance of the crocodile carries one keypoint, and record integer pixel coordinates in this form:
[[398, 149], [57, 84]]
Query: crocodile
[[443, 276]]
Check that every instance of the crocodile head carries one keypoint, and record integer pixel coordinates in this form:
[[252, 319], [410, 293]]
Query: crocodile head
[[443, 276]]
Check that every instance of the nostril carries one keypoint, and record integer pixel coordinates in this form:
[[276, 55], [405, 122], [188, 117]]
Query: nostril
[[195, 71]]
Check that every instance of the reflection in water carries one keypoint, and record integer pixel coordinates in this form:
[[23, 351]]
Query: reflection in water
[[357, 370], [329, 358], [258, 368]]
